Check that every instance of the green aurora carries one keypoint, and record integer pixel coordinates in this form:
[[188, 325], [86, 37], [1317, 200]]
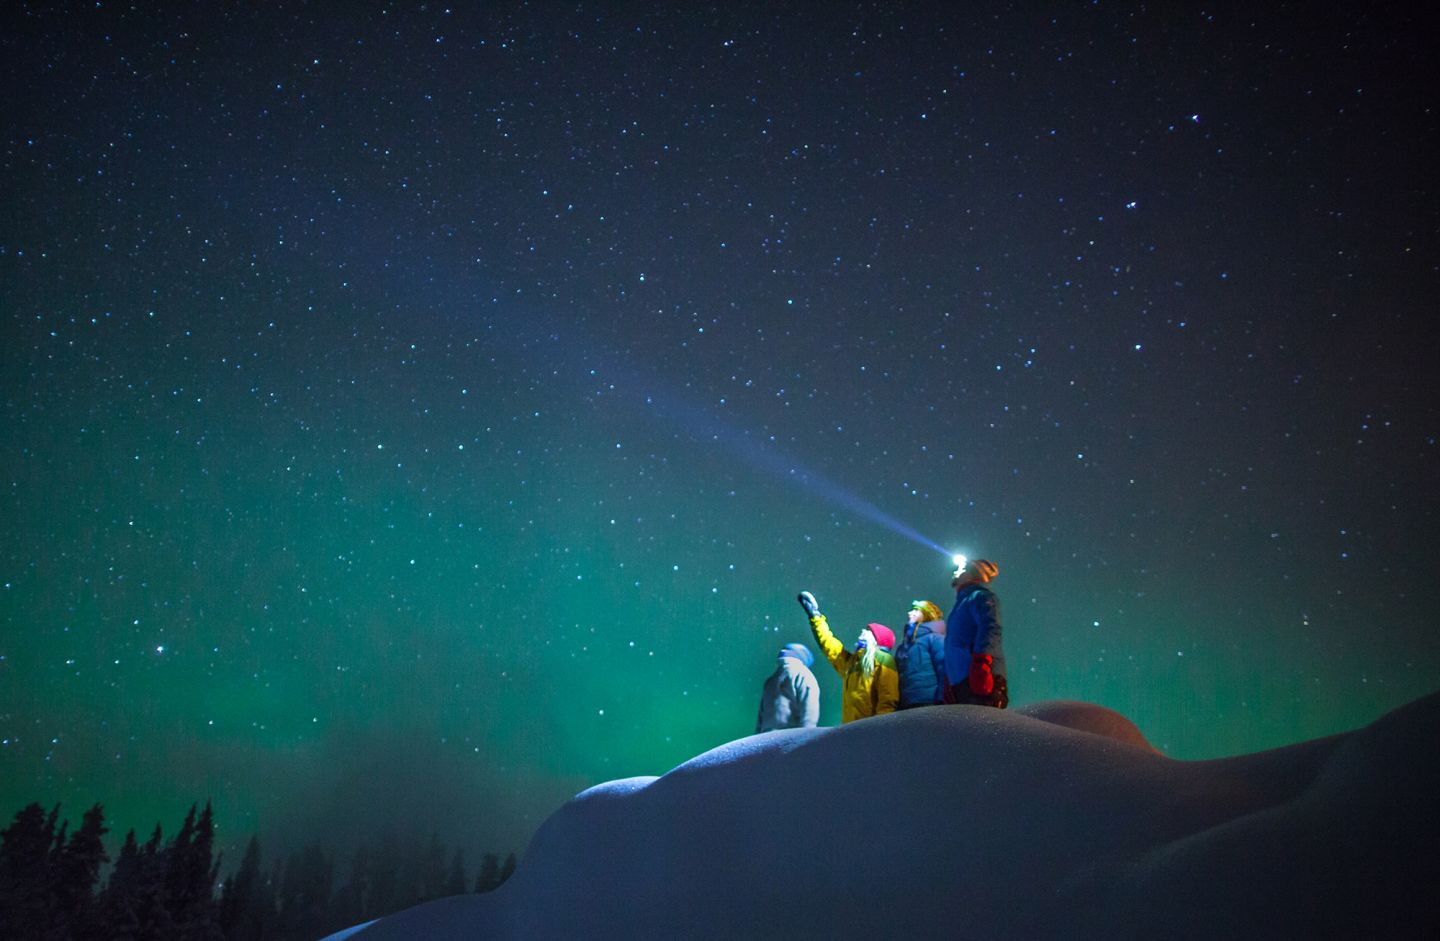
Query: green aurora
[[381, 442]]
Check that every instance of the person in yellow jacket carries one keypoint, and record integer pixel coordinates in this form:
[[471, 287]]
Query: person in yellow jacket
[[871, 684]]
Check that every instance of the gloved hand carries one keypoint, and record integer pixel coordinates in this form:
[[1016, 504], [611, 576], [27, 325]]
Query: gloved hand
[[982, 681], [807, 601]]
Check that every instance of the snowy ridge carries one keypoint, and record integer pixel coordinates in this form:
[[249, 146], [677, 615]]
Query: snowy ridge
[[1053, 821]]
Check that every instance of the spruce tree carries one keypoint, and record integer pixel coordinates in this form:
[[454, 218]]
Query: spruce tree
[[190, 878], [132, 906], [177, 864], [352, 902], [75, 867], [25, 878], [385, 888], [305, 893], [245, 912], [116, 903]]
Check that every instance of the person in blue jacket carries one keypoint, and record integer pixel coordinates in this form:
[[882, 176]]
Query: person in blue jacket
[[974, 655], [920, 656]]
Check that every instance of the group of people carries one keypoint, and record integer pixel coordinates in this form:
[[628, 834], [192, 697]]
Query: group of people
[[941, 659]]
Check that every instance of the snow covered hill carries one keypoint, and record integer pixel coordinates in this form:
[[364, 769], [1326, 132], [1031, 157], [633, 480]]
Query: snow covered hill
[[1053, 821]]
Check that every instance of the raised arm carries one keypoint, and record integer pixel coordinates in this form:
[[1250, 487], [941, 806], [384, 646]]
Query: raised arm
[[830, 645]]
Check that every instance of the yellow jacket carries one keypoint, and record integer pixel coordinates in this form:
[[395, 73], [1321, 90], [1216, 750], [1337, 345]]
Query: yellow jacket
[[861, 696]]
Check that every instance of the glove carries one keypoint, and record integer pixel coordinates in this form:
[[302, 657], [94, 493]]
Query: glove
[[982, 681], [807, 601]]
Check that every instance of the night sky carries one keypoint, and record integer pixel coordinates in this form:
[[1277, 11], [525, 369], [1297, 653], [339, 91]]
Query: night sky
[[413, 415]]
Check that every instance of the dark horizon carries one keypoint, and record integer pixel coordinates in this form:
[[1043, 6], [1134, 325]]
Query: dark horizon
[[62, 880]]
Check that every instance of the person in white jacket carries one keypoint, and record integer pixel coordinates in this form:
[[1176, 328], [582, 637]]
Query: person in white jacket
[[791, 696]]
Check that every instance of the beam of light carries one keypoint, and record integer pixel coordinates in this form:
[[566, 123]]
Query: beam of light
[[861, 507], [759, 454], [583, 354]]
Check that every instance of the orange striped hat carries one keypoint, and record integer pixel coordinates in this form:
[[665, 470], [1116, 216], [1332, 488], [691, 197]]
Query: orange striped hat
[[982, 569]]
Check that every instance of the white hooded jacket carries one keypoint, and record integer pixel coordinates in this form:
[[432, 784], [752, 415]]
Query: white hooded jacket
[[791, 697]]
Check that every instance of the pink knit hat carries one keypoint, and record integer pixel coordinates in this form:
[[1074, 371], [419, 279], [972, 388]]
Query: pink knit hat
[[883, 635]]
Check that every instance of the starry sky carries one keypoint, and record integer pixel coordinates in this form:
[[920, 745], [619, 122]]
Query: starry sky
[[414, 414]]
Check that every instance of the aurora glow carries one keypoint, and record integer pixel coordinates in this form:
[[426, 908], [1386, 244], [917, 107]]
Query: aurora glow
[[420, 414]]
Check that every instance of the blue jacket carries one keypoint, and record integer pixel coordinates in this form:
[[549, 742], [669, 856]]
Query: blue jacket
[[921, 659], [973, 626]]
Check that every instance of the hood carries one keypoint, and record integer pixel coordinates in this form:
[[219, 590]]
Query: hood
[[962, 593], [923, 628]]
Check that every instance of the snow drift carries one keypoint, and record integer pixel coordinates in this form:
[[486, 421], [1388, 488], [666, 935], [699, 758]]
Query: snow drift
[[1057, 820]]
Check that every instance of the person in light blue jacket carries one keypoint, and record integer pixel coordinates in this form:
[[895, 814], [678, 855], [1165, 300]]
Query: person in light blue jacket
[[790, 698]]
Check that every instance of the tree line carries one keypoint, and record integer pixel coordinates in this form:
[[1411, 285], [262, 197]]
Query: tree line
[[170, 890]]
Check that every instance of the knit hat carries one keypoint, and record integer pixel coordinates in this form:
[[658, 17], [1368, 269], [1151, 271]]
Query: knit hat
[[883, 635], [982, 569], [929, 611], [799, 652]]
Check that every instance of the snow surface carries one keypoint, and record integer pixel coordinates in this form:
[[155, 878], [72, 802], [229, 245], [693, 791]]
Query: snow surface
[[1057, 820]]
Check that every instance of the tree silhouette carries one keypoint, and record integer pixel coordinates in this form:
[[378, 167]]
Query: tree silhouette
[[25, 854], [352, 901], [384, 878], [74, 868], [305, 893], [166, 891], [115, 903], [488, 878], [189, 878], [149, 895], [247, 906]]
